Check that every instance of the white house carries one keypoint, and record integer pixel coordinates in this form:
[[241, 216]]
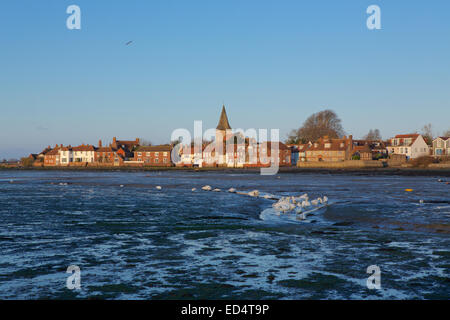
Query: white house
[[83, 153], [65, 155], [186, 156], [411, 145], [441, 146]]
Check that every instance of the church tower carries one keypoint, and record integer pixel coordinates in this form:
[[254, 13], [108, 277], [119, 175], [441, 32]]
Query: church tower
[[223, 127], [223, 132]]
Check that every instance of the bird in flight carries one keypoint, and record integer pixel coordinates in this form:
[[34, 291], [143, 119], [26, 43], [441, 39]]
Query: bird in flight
[[128, 43]]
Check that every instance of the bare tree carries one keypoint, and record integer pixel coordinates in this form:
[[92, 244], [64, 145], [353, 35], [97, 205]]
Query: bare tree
[[293, 137], [323, 123], [373, 135], [427, 133], [447, 133]]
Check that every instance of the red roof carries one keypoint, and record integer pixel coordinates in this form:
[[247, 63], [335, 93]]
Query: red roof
[[53, 152], [106, 149], [84, 148], [411, 135], [332, 145], [165, 147]]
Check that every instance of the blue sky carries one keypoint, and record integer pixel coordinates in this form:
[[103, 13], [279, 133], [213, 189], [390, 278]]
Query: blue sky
[[273, 63]]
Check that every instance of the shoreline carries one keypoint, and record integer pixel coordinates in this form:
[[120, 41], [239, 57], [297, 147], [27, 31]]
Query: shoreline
[[444, 172]]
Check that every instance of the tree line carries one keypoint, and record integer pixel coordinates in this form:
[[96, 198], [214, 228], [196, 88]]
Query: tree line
[[327, 123]]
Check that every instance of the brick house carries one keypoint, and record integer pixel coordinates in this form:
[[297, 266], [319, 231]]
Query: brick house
[[330, 150], [364, 152], [264, 157], [302, 148], [51, 158], [109, 155], [369, 149], [159, 156]]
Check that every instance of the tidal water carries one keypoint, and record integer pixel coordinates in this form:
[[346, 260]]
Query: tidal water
[[132, 241]]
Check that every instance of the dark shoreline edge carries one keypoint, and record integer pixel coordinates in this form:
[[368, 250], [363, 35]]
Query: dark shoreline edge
[[364, 172]]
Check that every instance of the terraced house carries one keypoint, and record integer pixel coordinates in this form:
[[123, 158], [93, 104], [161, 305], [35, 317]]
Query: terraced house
[[65, 155], [154, 155], [51, 158], [84, 153], [109, 155]]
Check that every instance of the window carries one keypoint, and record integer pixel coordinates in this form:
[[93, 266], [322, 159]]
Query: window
[[156, 160], [156, 154], [148, 154], [139, 154]]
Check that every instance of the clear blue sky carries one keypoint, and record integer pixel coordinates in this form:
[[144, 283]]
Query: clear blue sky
[[273, 63]]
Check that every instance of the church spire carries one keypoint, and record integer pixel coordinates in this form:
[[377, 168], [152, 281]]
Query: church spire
[[223, 121]]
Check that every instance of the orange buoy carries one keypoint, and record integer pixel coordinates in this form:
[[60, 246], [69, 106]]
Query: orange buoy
[[409, 190]]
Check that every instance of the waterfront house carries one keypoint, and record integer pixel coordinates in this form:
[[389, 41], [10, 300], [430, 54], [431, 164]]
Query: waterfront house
[[410, 145], [441, 147], [65, 155], [263, 156], [109, 155], [363, 152], [159, 156], [186, 154], [284, 153], [369, 149], [127, 145], [302, 148], [51, 158], [83, 154], [330, 150]]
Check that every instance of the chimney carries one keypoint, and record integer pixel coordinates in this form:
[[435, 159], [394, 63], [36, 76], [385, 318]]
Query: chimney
[[114, 140], [138, 141], [100, 143]]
